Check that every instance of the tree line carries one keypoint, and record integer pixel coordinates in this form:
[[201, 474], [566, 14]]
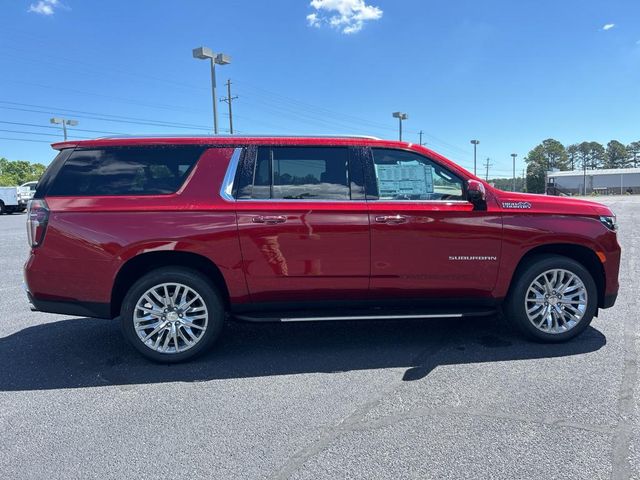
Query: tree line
[[553, 155], [17, 172]]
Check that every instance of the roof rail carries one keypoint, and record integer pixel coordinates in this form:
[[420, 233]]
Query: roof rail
[[182, 135]]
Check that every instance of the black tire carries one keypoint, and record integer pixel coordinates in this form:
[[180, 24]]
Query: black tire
[[194, 280], [515, 309], [2, 207]]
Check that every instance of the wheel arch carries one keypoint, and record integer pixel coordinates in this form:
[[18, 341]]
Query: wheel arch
[[144, 263], [581, 254]]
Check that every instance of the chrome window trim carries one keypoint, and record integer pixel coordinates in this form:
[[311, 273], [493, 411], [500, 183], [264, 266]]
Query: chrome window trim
[[226, 190], [392, 202]]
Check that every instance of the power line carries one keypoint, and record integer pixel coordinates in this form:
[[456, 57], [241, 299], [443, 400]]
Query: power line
[[24, 140], [56, 128], [41, 134], [84, 112]]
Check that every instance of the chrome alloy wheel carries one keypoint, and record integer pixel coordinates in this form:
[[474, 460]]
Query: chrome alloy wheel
[[556, 301], [170, 318]]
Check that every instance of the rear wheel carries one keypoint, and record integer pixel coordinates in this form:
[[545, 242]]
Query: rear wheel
[[2, 207], [553, 299], [172, 314]]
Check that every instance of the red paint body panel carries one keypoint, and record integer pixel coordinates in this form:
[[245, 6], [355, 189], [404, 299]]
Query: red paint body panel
[[89, 239], [319, 246], [418, 258], [322, 251]]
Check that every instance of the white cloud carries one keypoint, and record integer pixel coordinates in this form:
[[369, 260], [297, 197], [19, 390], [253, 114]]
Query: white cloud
[[44, 7], [313, 20], [608, 26], [348, 16]]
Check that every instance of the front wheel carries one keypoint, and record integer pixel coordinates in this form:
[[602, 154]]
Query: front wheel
[[553, 298], [172, 314]]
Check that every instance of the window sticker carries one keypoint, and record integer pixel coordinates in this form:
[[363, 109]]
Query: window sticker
[[406, 178]]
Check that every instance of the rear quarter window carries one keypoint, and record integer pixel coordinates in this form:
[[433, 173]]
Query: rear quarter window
[[125, 171]]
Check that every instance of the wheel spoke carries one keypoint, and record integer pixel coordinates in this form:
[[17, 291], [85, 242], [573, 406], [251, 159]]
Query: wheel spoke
[[164, 317], [556, 301]]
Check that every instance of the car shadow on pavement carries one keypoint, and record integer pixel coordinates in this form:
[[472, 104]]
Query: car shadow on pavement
[[85, 352]]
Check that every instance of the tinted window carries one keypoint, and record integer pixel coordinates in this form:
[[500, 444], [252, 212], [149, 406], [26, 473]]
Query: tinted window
[[125, 171], [298, 173], [402, 175]]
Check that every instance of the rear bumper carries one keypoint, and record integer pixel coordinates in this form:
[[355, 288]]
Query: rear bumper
[[77, 309]]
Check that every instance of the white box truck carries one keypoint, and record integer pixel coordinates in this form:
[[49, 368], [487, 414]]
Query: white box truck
[[13, 199]]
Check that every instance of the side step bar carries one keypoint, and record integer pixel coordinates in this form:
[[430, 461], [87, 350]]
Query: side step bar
[[290, 317]]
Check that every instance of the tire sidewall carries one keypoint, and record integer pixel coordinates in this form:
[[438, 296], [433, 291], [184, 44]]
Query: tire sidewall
[[194, 280], [538, 265]]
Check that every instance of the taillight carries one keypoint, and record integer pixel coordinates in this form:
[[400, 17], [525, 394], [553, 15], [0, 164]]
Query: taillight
[[37, 219]]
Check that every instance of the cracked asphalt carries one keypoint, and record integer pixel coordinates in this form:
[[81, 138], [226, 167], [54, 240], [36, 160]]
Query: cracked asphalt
[[416, 399]]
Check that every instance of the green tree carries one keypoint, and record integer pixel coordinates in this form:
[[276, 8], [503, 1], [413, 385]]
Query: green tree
[[616, 155], [573, 152], [592, 155], [536, 168], [549, 155], [633, 150], [18, 172]]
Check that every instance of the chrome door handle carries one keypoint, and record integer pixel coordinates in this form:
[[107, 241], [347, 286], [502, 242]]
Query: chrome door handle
[[391, 219], [269, 219]]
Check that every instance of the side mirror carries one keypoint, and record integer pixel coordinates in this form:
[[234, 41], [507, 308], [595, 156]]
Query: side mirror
[[476, 192]]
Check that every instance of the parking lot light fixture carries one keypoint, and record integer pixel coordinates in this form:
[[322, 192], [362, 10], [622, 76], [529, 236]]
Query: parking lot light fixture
[[475, 146], [205, 53], [64, 122], [400, 116]]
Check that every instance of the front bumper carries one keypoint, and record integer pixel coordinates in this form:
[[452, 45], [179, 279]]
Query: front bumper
[[609, 300]]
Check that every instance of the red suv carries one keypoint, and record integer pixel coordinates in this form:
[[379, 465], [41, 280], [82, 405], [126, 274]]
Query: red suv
[[172, 235]]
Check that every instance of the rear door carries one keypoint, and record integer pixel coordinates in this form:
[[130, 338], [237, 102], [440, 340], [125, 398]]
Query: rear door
[[303, 223], [427, 240]]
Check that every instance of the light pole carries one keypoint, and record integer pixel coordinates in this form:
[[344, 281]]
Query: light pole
[[400, 116], [475, 144], [203, 53], [514, 155], [64, 122]]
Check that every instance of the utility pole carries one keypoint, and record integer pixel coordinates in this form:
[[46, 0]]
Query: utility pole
[[487, 164], [584, 175], [64, 122], [421, 133], [524, 179], [514, 155], [475, 144], [229, 99], [400, 116]]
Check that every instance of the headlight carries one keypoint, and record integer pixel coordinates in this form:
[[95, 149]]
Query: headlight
[[609, 222]]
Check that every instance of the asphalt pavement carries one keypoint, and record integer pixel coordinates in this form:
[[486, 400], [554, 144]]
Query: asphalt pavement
[[427, 399]]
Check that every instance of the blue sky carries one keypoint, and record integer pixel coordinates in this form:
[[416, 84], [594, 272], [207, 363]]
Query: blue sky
[[508, 73]]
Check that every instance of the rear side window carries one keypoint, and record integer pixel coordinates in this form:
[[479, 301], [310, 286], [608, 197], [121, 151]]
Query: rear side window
[[300, 173], [125, 171]]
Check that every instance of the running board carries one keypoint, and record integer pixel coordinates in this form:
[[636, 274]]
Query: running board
[[290, 317]]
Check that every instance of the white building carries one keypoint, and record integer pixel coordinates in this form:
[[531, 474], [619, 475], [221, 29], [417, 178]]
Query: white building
[[609, 181]]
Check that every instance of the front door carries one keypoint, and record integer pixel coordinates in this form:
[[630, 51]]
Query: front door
[[303, 224], [427, 241]]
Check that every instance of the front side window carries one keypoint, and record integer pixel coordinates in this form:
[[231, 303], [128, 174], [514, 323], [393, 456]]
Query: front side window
[[125, 171], [402, 175], [297, 173]]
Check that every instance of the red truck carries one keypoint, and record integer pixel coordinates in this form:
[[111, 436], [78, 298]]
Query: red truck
[[174, 235]]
